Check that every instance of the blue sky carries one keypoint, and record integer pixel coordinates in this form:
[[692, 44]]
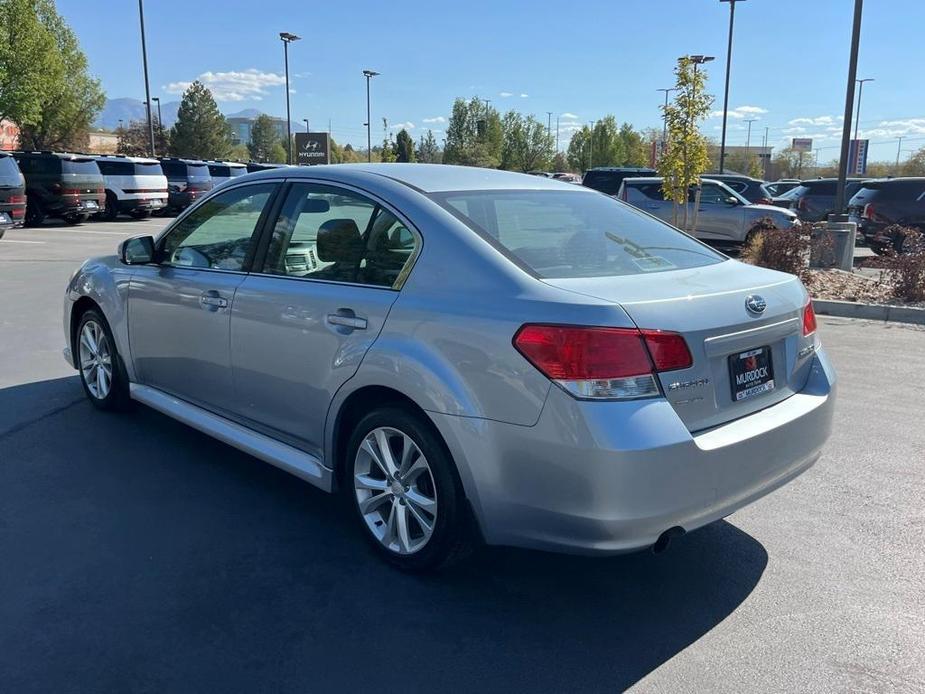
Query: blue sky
[[580, 61]]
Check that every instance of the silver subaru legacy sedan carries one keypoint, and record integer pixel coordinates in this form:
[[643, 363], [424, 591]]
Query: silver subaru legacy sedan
[[465, 354]]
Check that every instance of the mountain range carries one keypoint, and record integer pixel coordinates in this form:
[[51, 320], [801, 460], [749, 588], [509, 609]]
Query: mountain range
[[127, 110]]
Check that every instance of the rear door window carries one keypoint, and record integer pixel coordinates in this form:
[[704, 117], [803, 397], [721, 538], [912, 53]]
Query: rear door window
[[80, 166]]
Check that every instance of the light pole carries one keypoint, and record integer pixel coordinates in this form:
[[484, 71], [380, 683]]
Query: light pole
[[287, 38], [748, 139], [899, 149], [557, 134], [667, 91], [857, 117], [722, 142], [549, 125], [591, 147], [144, 60], [306, 125], [369, 138], [849, 102], [160, 121]]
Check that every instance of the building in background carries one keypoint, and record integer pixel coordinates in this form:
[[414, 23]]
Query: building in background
[[9, 135], [103, 143], [241, 129]]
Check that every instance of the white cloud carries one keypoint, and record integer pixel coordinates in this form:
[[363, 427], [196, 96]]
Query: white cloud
[[407, 125], [245, 85], [795, 130], [740, 112], [524, 96], [816, 120], [435, 119], [570, 116], [505, 94]]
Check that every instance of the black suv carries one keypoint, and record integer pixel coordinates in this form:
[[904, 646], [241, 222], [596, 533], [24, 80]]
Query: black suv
[[59, 184], [880, 203], [12, 194], [607, 179], [253, 166], [187, 181], [752, 189], [814, 200]]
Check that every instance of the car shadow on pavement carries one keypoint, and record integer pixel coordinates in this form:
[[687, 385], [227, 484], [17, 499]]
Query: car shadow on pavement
[[140, 555]]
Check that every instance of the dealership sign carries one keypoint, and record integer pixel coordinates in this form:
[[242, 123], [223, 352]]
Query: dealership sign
[[857, 157], [802, 144], [312, 148]]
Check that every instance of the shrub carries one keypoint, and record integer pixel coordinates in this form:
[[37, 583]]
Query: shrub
[[786, 250], [907, 267]]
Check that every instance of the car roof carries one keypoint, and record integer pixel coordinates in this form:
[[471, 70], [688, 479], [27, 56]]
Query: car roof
[[71, 156], [426, 178], [194, 162], [125, 157]]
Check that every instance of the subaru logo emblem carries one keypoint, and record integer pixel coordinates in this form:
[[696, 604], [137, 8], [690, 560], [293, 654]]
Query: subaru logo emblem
[[755, 304]]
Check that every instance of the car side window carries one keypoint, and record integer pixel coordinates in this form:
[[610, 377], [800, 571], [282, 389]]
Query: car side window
[[712, 195], [219, 233], [327, 233]]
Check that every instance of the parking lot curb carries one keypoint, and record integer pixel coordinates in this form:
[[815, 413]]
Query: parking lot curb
[[885, 312]]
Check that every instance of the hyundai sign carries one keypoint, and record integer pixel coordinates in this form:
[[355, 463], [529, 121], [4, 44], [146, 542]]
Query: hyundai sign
[[312, 148], [802, 144]]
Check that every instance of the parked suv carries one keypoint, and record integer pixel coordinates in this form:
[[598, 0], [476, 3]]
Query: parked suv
[[881, 203], [12, 194], [781, 186], [134, 186], [752, 189], [187, 181], [608, 179], [222, 171], [253, 166], [814, 200], [62, 185], [724, 216]]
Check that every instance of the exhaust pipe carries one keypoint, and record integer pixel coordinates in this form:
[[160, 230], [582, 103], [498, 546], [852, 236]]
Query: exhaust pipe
[[661, 544]]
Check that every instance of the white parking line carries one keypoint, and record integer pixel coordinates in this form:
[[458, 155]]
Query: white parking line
[[41, 243], [79, 231]]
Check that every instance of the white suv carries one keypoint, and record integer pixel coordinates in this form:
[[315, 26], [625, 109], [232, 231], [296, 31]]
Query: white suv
[[222, 171], [134, 186]]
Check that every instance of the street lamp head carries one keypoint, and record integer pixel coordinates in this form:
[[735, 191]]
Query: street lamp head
[[156, 98], [866, 79], [370, 73], [287, 37], [701, 59]]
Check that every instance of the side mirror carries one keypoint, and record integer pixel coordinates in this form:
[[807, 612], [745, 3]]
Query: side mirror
[[732, 200], [137, 251]]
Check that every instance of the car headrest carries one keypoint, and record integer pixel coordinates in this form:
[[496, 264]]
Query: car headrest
[[339, 241]]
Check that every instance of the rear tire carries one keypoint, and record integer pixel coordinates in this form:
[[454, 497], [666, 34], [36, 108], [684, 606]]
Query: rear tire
[[102, 372], [111, 213], [140, 214], [402, 485], [75, 219], [35, 213]]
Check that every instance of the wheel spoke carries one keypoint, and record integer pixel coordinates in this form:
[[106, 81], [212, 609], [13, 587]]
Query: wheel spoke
[[389, 537], [407, 453], [427, 526], [373, 502], [424, 503], [382, 441], [370, 448], [100, 382], [86, 364], [371, 483], [401, 521], [419, 466]]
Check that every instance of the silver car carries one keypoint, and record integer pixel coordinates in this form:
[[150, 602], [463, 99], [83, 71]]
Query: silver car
[[723, 216], [467, 354]]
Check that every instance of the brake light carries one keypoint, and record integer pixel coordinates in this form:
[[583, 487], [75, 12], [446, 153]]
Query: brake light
[[809, 319], [609, 363], [868, 212], [70, 191], [17, 200]]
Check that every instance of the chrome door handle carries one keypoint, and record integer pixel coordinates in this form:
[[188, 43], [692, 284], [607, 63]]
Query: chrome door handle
[[347, 321], [212, 301]]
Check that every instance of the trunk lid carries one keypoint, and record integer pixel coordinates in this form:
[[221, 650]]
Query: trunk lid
[[707, 305]]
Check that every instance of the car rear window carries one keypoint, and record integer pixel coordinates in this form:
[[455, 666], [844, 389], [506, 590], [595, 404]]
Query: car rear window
[[148, 170], [898, 189], [86, 167], [9, 170], [820, 187], [198, 172], [560, 234], [795, 193]]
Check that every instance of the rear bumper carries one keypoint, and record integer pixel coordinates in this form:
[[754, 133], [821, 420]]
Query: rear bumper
[[610, 477], [141, 202]]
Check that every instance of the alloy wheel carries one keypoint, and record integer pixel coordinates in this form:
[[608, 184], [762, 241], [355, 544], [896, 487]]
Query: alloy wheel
[[95, 359], [395, 490]]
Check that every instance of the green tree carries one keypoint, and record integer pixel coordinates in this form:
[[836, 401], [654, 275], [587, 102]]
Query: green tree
[[263, 138], [201, 131], [29, 61], [387, 152], [560, 162], [579, 151], [791, 163], [915, 165], [134, 139], [72, 98], [239, 153], [526, 144], [685, 157], [277, 153], [404, 146], [427, 151], [474, 135]]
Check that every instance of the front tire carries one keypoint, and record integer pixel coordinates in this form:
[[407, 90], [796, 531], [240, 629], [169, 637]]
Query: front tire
[[403, 488], [35, 213], [75, 219], [102, 372]]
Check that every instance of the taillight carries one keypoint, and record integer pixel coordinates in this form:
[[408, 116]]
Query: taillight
[[609, 363], [868, 212], [17, 200], [70, 191], [809, 319]]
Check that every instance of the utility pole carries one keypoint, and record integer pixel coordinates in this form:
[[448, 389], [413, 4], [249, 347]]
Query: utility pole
[[160, 121], [722, 144], [857, 117], [549, 125], [369, 138], [766, 153], [899, 149], [557, 134], [591, 148], [287, 38], [849, 102], [144, 59]]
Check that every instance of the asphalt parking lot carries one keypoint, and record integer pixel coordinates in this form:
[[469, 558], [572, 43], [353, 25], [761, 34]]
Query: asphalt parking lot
[[137, 555]]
